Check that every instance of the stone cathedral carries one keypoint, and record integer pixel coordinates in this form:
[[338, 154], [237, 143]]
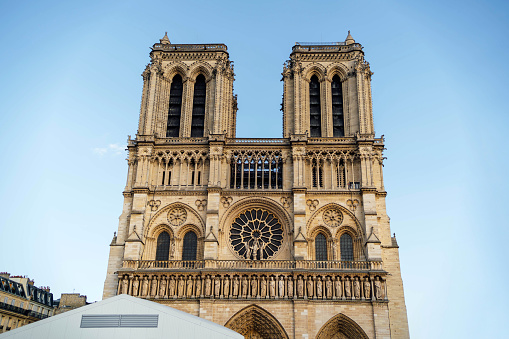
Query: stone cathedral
[[271, 237]]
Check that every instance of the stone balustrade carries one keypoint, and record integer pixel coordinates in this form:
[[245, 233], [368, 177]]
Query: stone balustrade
[[239, 285], [271, 265]]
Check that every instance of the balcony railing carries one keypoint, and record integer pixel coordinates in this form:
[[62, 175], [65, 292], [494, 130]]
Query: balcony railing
[[277, 265]]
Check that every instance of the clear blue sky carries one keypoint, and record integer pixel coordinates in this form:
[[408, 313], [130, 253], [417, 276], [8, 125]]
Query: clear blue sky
[[71, 88]]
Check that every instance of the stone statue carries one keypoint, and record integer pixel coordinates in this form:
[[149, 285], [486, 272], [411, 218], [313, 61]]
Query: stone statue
[[244, 287], [356, 289], [254, 287], [281, 285], [144, 287], [272, 287], [136, 284], [328, 286], [263, 288], [236, 286], [125, 285], [153, 288], [310, 288], [181, 287], [162, 288], [348, 288], [197, 289], [217, 287], [319, 288], [337, 285], [207, 286], [189, 292], [226, 286], [367, 289], [378, 289], [289, 290], [300, 287], [172, 287]]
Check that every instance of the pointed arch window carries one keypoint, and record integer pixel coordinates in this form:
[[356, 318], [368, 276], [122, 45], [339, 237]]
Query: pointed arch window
[[198, 120], [190, 246], [315, 120], [346, 247], [337, 107], [163, 246], [320, 247], [175, 107]]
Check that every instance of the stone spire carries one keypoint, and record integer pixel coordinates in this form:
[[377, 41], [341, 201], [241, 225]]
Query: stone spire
[[165, 39], [349, 40]]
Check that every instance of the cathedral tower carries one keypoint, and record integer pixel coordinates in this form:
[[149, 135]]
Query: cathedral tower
[[274, 238]]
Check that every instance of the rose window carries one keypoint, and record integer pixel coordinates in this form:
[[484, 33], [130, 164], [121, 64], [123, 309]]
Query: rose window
[[177, 216], [333, 217], [256, 234]]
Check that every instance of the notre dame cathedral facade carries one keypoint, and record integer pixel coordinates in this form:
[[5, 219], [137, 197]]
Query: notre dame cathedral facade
[[274, 238]]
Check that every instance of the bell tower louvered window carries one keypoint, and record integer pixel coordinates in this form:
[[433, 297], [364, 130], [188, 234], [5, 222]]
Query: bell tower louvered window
[[315, 120], [346, 247], [175, 108], [163, 246], [190, 246], [320, 247], [337, 107], [198, 121]]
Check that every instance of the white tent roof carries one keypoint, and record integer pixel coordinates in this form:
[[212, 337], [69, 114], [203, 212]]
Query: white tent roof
[[123, 317]]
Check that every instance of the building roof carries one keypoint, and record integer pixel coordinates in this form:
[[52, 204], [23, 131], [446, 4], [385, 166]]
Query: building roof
[[123, 316]]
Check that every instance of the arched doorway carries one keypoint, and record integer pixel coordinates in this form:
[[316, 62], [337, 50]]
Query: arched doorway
[[341, 327], [253, 322]]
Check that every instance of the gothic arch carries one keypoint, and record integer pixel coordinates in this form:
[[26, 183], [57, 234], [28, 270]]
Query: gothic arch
[[255, 320], [189, 227], [359, 231], [155, 231], [314, 69], [176, 68], [201, 67], [312, 237], [156, 219], [341, 327], [259, 203], [337, 68]]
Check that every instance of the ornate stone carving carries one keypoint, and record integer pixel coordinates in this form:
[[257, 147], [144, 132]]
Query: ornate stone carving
[[254, 287], [286, 202], [197, 289], [312, 204], [207, 286], [356, 289], [328, 287], [300, 287], [171, 292], [201, 204], [162, 288], [236, 286], [226, 287], [272, 287], [289, 291], [319, 288], [189, 291], [177, 216], [281, 286], [154, 204], [352, 204], [226, 201], [367, 289], [333, 217], [136, 285], [263, 288], [256, 234], [378, 289]]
